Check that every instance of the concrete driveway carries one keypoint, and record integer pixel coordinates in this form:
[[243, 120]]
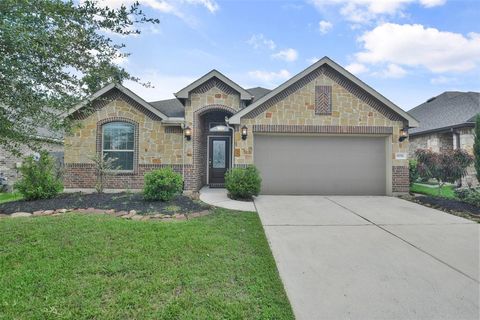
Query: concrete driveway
[[372, 258]]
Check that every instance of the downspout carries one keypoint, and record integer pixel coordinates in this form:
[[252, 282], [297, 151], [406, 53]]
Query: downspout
[[233, 141]]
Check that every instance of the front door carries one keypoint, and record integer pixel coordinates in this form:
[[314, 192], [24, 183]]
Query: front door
[[218, 159]]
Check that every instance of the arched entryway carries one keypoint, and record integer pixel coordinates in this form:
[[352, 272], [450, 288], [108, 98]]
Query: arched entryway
[[212, 145]]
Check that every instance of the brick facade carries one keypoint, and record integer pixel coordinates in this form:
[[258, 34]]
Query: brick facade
[[400, 179]]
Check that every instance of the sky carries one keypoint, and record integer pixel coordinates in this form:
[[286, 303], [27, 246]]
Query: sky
[[408, 50]]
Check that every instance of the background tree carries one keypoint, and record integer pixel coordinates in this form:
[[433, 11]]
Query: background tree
[[448, 166], [476, 146], [53, 54]]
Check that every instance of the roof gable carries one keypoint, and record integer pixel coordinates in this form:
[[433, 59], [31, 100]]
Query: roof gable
[[109, 88], [212, 75], [451, 108], [340, 75]]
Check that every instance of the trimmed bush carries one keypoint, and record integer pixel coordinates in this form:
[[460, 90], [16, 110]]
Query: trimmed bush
[[243, 183], [39, 178], [162, 184]]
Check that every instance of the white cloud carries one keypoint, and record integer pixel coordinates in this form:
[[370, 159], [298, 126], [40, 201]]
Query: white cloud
[[165, 6], [392, 71], [324, 26], [417, 46], [120, 60], [364, 11], [270, 77], [164, 85], [432, 3], [258, 41], [312, 60], [286, 55], [443, 80], [356, 68]]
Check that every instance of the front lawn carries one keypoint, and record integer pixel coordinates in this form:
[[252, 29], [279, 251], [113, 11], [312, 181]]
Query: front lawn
[[6, 197], [77, 266], [445, 191]]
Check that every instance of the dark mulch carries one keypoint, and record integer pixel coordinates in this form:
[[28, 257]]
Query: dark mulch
[[116, 201], [449, 205]]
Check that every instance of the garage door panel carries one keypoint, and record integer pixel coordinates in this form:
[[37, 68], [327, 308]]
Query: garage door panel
[[333, 165]]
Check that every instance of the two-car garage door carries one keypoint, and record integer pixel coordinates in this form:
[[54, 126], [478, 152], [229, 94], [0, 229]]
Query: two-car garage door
[[321, 165]]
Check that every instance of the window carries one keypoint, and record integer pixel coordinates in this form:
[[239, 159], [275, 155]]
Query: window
[[118, 143], [218, 127]]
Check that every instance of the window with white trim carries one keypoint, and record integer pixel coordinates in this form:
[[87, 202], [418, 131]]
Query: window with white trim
[[118, 142]]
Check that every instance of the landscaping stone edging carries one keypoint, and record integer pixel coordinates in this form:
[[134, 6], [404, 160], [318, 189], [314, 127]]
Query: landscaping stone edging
[[129, 215]]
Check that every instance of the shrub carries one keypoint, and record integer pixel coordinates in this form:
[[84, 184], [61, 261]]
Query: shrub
[[162, 184], [39, 178], [413, 171], [243, 183], [471, 196]]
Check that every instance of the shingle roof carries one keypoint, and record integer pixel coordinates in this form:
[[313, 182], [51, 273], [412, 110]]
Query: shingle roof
[[170, 107], [451, 108], [258, 92]]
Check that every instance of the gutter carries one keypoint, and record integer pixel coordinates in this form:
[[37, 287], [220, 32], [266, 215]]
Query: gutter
[[443, 129]]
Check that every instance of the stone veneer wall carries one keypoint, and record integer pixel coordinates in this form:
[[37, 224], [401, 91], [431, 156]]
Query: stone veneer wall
[[434, 141], [467, 139], [439, 142], [207, 98], [8, 161], [157, 146], [350, 109]]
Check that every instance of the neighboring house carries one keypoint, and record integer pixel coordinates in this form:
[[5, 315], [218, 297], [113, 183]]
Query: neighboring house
[[447, 122], [9, 163], [322, 132]]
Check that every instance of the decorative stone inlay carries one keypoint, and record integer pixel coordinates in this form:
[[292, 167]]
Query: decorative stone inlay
[[323, 100]]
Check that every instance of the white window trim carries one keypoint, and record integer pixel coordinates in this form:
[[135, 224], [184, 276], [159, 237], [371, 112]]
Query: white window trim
[[124, 150]]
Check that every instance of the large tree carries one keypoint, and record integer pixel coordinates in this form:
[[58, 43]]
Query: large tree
[[54, 53]]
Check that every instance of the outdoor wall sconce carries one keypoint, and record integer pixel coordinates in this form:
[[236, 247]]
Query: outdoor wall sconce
[[244, 132], [188, 133], [403, 134]]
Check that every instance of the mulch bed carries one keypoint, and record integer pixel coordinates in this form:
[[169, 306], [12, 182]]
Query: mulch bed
[[449, 205], [117, 201]]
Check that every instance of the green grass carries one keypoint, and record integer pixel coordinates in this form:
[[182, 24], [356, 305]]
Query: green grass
[[445, 192], [98, 267], [6, 197]]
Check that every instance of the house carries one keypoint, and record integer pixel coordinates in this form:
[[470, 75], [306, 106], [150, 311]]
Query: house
[[447, 122], [10, 163], [322, 132]]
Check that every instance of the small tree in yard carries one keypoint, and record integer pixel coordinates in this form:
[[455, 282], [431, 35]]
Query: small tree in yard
[[103, 167], [448, 166], [476, 146]]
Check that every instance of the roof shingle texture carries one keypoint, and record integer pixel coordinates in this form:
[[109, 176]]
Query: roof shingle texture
[[450, 108]]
